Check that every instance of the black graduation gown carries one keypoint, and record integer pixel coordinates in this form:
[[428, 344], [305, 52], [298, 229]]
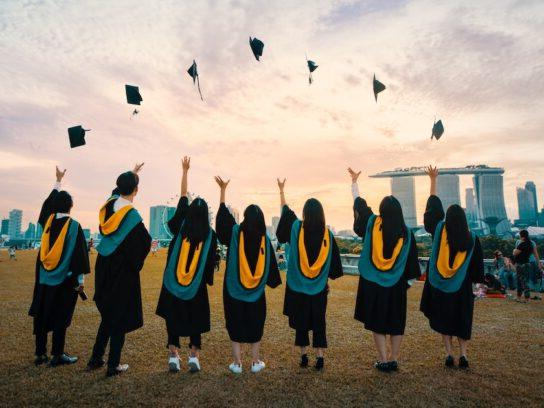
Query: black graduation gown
[[118, 293], [382, 310], [307, 312], [186, 318], [451, 313], [244, 320], [53, 306]]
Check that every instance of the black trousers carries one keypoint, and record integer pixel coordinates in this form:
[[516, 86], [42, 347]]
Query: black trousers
[[59, 337], [194, 340], [116, 346], [319, 340]]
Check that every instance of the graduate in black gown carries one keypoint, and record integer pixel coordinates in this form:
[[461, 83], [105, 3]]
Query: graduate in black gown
[[313, 259], [456, 263], [251, 265], [387, 262], [123, 248], [183, 302], [62, 261]]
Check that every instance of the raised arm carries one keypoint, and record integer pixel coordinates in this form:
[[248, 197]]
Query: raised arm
[[354, 186], [224, 220], [432, 172], [434, 211], [47, 206], [361, 211], [281, 185], [185, 165], [174, 223]]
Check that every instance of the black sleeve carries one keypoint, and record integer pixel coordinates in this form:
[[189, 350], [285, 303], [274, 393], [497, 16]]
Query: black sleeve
[[174, 223], [477, 263], [224, 221], [139, 245], [47, 208], [336, 269], [274, 278], [283, 232], [212, 260], [412, 270], [434, 213], [361, 214], [79, 264]]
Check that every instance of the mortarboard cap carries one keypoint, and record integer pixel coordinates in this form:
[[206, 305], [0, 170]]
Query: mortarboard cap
[[133, 95], [257, 47], [378, 87], [312, 66], [193, 72], [76, 135], [438, 130]]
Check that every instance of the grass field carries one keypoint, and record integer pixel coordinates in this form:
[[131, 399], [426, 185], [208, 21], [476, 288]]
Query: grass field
[[506, 356]]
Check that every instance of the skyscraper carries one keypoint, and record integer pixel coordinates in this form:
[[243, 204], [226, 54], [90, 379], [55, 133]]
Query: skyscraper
[[403, 188], [447, 188], [472, 209], [530, 186], [15, 220], [526, 206], [158, 217], [4, 230], [30, 232], [490, 202]]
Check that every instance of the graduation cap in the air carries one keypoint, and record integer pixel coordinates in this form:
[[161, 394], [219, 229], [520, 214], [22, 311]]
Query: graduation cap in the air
[[378, 87], [257, 47], [133, 95], [312, 66], [76, 135], [438, 130], [193, 72]]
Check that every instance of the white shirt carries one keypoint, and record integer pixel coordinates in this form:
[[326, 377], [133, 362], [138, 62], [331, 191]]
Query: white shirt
[[120, 203], [355, 190]]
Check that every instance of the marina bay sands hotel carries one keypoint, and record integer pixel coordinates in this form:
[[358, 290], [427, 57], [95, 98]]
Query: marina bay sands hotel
[[484, 202]]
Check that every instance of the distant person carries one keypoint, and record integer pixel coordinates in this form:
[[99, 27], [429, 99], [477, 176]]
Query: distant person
[[11, 252], [154, 247], [122, 251], [91, 245], [387, 262], [61, 263], [183, 301], [456, 263], [282, 265], [312, 260], [522, 259], [505, 270]]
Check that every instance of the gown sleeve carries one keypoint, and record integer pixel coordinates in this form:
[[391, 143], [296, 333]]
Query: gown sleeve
[[274, 278], [79, 264], [361, 214], [212, 260], [47, 208], [477, 263], [434, 213], [412, 270], [223, 224], [174, 224], [139, 245], [288, 217], [336, 269]]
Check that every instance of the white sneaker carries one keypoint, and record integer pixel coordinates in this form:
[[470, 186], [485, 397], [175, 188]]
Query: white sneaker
[[122, 368], [194, 364], [173, 364], [259, 366], [235, 368]]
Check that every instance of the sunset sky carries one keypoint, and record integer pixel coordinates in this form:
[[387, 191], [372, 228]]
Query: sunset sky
[[479, 66]]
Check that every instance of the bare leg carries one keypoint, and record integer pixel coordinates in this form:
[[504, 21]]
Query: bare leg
[[395, 347], [255, 347], [173, 350], [236, 353], [463, 346], [319, 351], [194, 352], [447, 344], [303, 350], [381, 347]]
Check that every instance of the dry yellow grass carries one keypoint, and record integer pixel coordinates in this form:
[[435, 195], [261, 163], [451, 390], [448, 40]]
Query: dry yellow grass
[[506, 357]]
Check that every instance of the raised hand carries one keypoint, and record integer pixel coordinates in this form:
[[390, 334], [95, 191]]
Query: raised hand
[[354, 175], [222, 184], [137, 167], [281, 184], [60, 174], [186, 163], [431, 171]]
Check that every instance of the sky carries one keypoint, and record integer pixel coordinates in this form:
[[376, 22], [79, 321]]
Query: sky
[[478, 66]]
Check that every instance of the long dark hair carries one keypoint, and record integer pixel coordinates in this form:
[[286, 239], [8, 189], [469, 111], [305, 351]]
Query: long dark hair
[[459, 238], [253, 224], [393, 226], [197, 223], [313, 216]]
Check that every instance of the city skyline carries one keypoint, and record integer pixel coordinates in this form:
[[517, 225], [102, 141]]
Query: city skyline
[[474, 65]]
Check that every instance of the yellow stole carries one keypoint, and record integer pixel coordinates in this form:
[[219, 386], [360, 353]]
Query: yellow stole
[[109, 226], [184, 276], [312, 271], [249, 280], [379, 261], [443, 261], [50, 255]]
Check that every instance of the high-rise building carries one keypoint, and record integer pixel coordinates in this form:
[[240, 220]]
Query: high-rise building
[[30, 232], [526, 206], [39, 231], [403, 188], [472, 209], [530, 186], [490, 202], [447, 188], [158, 218], [15, 220], [4, 230]]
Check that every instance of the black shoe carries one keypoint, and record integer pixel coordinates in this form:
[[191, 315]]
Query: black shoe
[[383, 367], [42, 359], [393, 365], [95, 363], [304, 360], [63, 359], [463, 362], [449, 361], [319, 363]]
